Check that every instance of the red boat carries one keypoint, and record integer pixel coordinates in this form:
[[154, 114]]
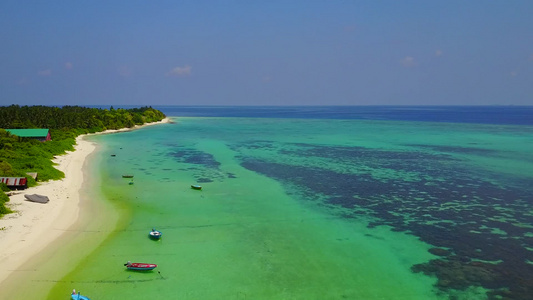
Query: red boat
[[140, 266]]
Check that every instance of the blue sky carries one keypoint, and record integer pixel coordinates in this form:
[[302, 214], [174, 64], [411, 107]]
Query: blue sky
[[156, 52]]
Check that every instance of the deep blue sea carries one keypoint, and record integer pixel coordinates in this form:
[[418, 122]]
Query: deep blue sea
[[502, 115]]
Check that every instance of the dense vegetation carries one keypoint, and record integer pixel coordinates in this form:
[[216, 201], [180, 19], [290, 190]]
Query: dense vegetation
[[21, 155], [3, 199], [75, 117]]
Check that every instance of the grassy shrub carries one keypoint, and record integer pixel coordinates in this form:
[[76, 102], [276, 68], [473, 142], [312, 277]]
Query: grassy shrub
[[3, 209], [3, 187], [6, 170]]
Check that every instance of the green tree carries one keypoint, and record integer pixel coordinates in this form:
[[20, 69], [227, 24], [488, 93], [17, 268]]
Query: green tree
[[5, 169]]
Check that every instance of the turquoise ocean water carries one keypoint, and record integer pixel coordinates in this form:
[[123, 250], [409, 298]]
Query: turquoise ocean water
[[311, 209]]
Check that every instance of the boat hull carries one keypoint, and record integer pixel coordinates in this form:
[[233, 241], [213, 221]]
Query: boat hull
[[140, 269], [155, 235], [196, 187], [79, 297], [140, 266]]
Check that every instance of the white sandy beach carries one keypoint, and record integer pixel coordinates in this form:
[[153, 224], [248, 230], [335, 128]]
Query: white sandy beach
[[33, 226]]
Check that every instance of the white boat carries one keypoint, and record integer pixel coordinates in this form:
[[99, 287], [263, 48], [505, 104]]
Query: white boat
[[155, 234]]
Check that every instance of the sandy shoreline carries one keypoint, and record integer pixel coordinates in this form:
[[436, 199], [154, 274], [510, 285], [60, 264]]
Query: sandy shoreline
[[33, 226]]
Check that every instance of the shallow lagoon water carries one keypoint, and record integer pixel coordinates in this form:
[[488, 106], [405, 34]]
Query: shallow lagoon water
[[311, 209]]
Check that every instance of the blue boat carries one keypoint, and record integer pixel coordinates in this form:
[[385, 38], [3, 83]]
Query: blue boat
[[155, 234], [78, 296]]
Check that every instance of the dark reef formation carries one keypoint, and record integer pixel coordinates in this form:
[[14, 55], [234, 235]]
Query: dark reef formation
[[206, 167], [479, 223]]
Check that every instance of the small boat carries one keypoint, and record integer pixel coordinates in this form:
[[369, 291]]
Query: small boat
[[155, 234], [127, 176], [131, 182], [78, 296], [140, 266], [196, 187], [113, 155]]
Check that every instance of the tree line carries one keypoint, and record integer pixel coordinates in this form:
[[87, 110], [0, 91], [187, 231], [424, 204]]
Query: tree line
[[21, 155]]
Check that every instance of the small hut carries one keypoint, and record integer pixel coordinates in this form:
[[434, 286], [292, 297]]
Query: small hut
[[42, 135]]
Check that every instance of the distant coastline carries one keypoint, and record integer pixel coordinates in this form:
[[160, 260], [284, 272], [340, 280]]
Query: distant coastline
[[494, 114]]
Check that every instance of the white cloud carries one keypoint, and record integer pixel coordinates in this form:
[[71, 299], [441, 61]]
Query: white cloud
[[46, 72], [68, 65], [408, 61], [438, 53], [180, 71]]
